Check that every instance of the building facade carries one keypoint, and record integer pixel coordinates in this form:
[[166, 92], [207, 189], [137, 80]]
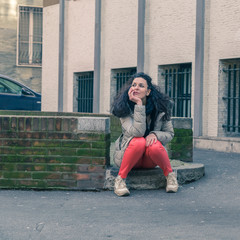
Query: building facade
[[21, 41], [103, 44]]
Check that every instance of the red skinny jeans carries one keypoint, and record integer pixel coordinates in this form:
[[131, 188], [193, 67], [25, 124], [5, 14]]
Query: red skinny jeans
[[138, 155]]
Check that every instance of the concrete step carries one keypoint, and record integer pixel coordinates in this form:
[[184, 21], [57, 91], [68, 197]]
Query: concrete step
[[154, 178]]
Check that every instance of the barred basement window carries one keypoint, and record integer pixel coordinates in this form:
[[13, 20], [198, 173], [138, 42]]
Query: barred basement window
[[29, 36], [232, 97], [85, 92], [122, 76], [119, 78], [176, 82]]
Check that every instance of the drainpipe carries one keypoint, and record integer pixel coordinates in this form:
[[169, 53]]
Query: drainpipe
[[199, 68], [140, 40], [97, 58], [61, 56]]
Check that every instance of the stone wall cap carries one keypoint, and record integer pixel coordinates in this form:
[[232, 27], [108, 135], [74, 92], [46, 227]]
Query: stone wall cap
[[182, 122], [92, 124]]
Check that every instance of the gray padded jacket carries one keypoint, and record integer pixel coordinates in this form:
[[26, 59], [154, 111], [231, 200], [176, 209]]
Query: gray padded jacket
[[134, 125]]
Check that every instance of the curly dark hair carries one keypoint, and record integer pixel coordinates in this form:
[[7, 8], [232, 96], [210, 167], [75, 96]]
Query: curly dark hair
[[157, 102]]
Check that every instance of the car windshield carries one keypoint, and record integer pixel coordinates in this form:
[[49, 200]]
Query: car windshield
[[7, 86]]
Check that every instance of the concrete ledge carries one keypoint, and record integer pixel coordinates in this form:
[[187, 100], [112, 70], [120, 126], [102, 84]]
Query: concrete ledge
[[99, 124], [230, 145], [182, 122], [154, 178]]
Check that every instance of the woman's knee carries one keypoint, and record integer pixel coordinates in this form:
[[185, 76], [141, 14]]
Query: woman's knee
[[156, 147], [138, 142]]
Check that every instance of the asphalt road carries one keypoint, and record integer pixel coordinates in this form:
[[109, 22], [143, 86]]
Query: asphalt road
[[206, 209]]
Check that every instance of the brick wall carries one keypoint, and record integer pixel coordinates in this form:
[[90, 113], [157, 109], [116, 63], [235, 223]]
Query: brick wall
[[55, 151], [181, 147], [49, 152]]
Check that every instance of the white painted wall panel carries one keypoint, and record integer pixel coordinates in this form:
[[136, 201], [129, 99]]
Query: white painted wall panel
[[50, 58]]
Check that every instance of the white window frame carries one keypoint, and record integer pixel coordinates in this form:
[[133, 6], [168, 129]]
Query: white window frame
[[30, 49]]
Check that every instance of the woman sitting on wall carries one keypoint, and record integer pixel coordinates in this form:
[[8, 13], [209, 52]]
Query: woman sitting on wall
[[145, 114]]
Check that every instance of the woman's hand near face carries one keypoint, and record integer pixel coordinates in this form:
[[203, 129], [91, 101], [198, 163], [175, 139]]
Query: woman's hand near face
[[150, 139], [133, 98]]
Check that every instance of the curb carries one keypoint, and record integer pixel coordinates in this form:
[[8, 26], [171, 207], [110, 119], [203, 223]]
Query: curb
[[153, 178]]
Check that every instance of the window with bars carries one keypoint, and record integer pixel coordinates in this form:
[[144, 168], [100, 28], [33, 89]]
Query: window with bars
[[30, 36], [176, 80], [85, 92], [119, 78], [232, 97]]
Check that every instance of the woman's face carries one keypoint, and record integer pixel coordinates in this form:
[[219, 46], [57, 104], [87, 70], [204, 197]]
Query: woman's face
[[140, 88]]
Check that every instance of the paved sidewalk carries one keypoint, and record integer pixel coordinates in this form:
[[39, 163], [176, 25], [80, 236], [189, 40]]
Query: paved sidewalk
[[206, 209]]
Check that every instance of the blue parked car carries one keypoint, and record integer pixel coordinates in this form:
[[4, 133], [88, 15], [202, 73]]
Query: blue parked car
[[16, 96]]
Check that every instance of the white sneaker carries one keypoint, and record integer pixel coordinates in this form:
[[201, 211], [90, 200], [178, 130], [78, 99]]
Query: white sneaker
[[120, 187], [172, 184]]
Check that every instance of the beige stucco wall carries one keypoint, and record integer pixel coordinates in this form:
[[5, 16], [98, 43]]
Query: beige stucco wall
[[222, 41], [78, 50], [79, 44], [119, 42], [169, 34], [119, 37], [169, 39]]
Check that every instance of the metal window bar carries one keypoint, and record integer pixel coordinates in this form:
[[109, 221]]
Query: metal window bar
[[233, 99], [30, 36], [37, 36], [178, 87], [122, 77], [85, 92]]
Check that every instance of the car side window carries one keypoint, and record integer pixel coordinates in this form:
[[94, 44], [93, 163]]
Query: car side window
[[4, 89], [7, 86]]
